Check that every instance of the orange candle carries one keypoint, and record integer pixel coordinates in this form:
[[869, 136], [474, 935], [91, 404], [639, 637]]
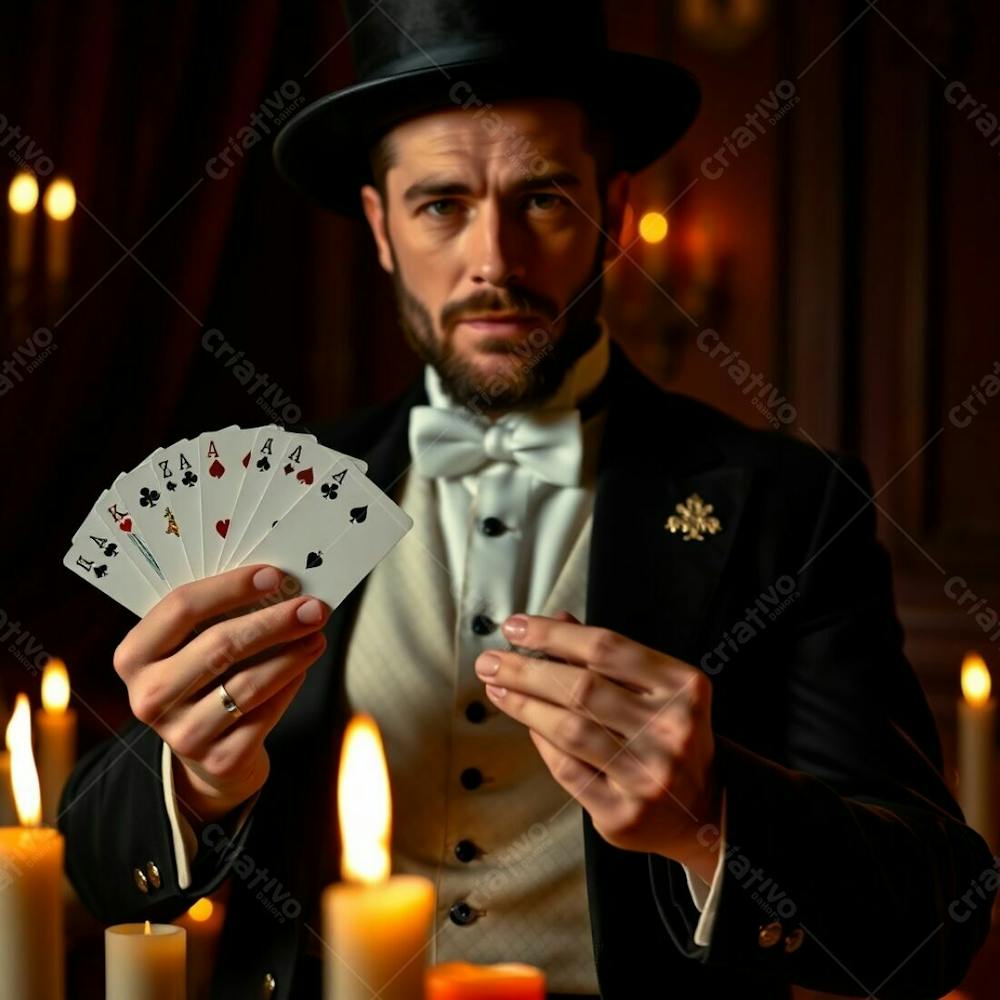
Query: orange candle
[[465, 981]]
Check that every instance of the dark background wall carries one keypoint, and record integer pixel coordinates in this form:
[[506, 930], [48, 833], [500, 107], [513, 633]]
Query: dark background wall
[[848, 252]]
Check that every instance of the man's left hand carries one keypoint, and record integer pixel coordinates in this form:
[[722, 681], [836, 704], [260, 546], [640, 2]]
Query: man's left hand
[[626, 730]]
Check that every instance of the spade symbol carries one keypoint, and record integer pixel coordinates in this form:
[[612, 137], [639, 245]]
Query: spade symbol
[[100, 571], [358, 514], [263, 464], [314, 559]]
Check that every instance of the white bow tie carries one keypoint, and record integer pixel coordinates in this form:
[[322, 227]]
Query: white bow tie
[[450, 443]]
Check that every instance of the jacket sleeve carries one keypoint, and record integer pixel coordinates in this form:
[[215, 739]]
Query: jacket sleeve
[[119, 841], [849, 868]]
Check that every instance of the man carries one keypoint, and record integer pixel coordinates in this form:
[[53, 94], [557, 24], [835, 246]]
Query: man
[[637, 667]]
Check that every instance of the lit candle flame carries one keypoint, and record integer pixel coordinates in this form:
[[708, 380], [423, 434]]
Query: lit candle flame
[[364, 804], [60, 199], [976, 682], [147, 929], [202, 910], [23, 773], [55, 686], [22, 195]]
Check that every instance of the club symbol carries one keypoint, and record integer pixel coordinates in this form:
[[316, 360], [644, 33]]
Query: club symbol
[[111, 550], [263, 464], [358, 514], [190, 478], [314, 559], [171, 486], [148, 497], [100, 571], [329, 490]]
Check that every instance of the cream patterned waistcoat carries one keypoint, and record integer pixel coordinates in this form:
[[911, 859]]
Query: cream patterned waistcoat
[[527, 882]]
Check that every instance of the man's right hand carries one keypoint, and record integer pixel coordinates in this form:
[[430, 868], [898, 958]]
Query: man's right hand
[[174, 660]]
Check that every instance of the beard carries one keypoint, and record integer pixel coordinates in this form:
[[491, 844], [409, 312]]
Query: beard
[[532, 369]]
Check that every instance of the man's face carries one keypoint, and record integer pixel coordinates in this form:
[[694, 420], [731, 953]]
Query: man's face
[[491, 230]]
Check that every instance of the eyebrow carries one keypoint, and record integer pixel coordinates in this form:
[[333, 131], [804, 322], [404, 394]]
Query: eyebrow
[[443, 187]]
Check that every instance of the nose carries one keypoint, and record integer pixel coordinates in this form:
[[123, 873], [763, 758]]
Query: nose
[[495, 258]]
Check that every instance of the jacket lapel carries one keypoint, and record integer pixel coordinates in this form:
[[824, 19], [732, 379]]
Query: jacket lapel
[[643, 581]]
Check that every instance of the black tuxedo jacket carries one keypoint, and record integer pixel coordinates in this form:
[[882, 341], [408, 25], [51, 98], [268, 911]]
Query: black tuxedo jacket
[[841, 830]]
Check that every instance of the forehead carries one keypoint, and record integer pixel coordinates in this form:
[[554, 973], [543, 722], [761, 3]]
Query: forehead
[[529, 135]]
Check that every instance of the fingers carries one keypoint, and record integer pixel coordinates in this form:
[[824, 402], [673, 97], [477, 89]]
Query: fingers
[[259, 691], [178, 614], [238, 757], [172, 683], [603, 650], [577, 688]]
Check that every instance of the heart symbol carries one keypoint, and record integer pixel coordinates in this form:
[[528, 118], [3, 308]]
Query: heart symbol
[[216, 470], [222, 527], [358, 514], [125, 524], [306, 476], [313, 560]]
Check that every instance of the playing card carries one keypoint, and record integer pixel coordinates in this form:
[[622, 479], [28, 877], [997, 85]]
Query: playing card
[[118, 519], [223, 458], [303, 463], [96, 556], [335, 535], [265, 460], [157, 519], [180, 484]]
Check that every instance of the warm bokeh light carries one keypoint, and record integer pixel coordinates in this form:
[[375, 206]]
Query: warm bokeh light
[[976, 683], [202, 910], [147, 929], [364, 804], [55, 686], [23, 773], [60, 199], [22, 195], [653, 227]]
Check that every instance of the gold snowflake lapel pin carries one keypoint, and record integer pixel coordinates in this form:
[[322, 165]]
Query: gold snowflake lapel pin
[[693, 519]]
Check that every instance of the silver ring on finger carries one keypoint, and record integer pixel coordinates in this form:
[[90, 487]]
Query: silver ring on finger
[[227, 702]]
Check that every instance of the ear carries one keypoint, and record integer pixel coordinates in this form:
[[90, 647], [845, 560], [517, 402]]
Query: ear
[[616, 199], [371, 202]]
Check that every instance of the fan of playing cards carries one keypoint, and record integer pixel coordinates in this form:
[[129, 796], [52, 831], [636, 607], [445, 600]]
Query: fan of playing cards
[[232, 498]]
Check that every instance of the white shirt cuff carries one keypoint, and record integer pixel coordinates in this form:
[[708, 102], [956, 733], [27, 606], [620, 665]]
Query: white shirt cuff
[[706, 895], [184, 838]]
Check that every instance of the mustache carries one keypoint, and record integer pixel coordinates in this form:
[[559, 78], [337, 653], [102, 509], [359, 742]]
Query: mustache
[[520, 301]]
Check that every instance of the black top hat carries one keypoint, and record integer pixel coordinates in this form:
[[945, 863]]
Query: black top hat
[[414, 56]]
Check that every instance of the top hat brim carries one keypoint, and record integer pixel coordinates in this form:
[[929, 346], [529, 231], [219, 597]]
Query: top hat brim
[[323, 151]]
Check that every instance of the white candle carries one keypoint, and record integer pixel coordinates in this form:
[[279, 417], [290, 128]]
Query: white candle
[[22, 197], [976, 733], [59, 203], [145, 962], [376, 926], [55, 737], [31, 884]]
